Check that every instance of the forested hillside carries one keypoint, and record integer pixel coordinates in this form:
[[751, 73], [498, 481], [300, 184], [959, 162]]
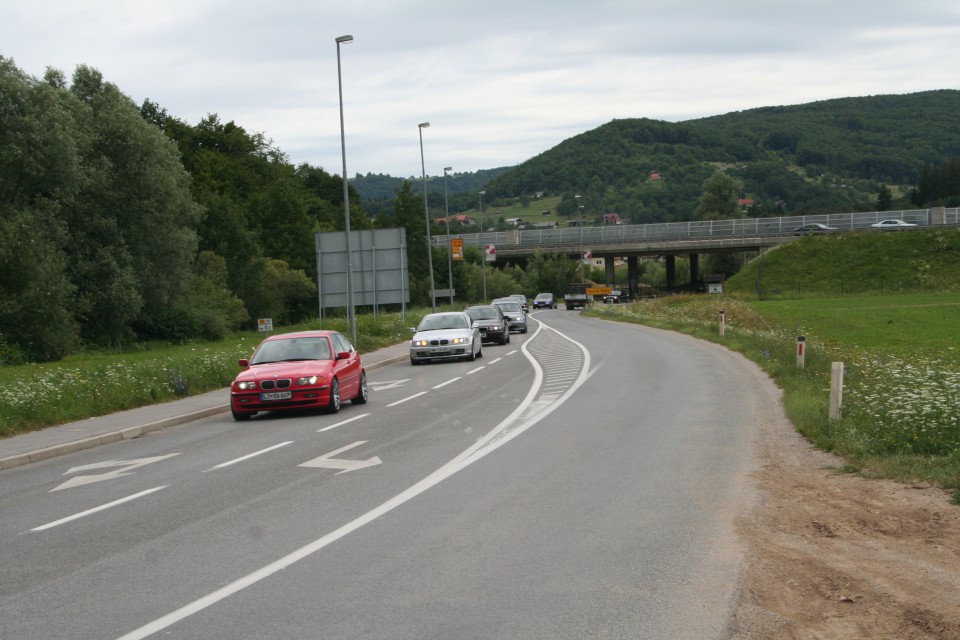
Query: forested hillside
[[824, 156]]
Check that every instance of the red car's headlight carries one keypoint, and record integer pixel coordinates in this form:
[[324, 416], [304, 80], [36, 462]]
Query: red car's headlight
[[246, 385], [308, 380]]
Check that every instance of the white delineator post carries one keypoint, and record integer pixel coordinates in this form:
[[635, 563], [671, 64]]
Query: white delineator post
[[836, 390], [722, 323], [801, 350]]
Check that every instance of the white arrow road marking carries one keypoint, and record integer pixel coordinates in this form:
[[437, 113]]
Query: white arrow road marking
[[125, 467], [329, 462], [387, 384], [96, 509]]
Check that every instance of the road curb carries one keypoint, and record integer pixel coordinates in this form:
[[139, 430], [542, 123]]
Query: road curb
[[130, 433]]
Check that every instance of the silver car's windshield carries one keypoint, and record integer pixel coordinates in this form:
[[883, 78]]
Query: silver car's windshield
[[293, 349], [438, 323]]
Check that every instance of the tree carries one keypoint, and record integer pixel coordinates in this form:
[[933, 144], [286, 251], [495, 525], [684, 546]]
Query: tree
[[720, 196], [884, 198]]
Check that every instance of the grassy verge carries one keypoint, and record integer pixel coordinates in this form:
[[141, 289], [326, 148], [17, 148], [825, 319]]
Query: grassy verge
[[901, 402], [96, 383]]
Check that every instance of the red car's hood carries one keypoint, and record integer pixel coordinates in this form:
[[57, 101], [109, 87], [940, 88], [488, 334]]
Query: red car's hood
[[293, 369]]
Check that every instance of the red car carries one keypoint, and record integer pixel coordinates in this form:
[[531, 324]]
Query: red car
[[303, 370]]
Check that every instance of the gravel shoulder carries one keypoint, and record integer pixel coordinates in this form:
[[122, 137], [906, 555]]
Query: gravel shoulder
[[832, 555]]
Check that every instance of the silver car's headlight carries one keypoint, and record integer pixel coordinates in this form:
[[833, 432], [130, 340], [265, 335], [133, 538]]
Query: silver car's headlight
[[419, 343], [458, 340]]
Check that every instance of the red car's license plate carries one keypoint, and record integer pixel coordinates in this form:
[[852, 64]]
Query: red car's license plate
[[277, 395]]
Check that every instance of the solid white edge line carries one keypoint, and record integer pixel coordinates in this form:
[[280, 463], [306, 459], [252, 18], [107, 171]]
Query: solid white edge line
[[343, 422], [249, 455], [102, 507], [460, 462], [416, 395]]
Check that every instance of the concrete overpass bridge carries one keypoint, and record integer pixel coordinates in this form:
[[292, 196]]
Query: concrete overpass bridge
[[672, 239]]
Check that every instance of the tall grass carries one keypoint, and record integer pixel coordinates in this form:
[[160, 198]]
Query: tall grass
[[901, 402]]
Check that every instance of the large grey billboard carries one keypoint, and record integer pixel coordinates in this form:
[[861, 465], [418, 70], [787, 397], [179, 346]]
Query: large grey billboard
[[379, 265]]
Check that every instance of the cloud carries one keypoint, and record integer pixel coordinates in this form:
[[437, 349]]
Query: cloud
[[499, 81]]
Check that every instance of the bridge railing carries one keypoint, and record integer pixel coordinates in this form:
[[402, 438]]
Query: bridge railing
[[592, 237]]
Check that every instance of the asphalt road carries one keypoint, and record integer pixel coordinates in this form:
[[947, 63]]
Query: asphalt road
[[579, 482]]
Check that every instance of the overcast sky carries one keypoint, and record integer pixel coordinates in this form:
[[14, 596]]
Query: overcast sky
[[499, 81]]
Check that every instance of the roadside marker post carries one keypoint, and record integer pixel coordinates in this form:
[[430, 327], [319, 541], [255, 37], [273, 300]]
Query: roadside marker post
[[836, 390], [722, 323], [801, 343]]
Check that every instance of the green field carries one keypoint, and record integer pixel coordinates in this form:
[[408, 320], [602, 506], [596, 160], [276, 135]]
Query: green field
[[901, 404]]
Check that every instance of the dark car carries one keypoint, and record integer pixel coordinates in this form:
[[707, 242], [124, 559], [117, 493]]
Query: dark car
[[545, 301], [814, 227], [513, 312], [303, 370], [494, 327]]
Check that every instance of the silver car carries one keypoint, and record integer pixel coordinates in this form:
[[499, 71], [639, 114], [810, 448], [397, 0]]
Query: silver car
[[449, 335], [513, 312]]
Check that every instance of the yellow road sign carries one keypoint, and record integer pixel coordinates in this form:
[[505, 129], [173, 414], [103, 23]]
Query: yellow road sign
[[598, 291]]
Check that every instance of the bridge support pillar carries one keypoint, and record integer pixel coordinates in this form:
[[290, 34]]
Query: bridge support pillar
[[671, 271], [632, 277], [609, 267], [694, 269]]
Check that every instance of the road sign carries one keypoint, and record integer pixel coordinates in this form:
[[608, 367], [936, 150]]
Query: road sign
[[456, 248], [491, 252], [599, 291], [265, 324]]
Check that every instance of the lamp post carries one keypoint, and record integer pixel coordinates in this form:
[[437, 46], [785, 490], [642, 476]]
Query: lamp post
[[426, 217], [580, 227], [483, 252], [446, 210], [351, 315]]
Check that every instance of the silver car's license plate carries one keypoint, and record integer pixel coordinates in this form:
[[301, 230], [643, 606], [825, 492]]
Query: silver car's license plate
[[277, 395]]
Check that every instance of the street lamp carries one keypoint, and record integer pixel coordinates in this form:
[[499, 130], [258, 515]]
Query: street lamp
[[351, 315], [426, 217], [483, 251], [580, 227], [446, 210]]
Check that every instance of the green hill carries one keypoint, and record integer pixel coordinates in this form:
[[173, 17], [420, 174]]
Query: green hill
[[845, 264], [824, 156]]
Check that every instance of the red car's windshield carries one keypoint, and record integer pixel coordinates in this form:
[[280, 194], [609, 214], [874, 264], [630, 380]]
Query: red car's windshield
[[293, 349]]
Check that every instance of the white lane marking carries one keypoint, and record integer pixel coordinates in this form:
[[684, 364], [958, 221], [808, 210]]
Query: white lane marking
[[470, 373], [343, 422], [327, 461], [494, 361], [125, 467], [466, 458], [450, 381], [249, 455], [102, 507], [416, 395], [387, 384]]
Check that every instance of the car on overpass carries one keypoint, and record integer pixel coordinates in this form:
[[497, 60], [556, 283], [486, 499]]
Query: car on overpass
[[892, 224]]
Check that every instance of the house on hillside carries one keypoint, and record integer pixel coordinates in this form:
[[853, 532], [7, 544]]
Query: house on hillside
[[612, 218], [461, 219]]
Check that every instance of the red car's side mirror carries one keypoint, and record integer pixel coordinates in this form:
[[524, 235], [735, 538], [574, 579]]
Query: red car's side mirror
[[243, 362], [343, 355]]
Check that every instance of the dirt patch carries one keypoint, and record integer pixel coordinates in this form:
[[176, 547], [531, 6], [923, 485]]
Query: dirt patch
[[834, 555]]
